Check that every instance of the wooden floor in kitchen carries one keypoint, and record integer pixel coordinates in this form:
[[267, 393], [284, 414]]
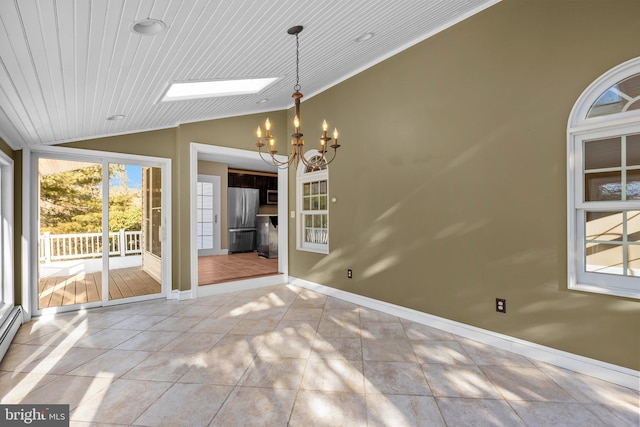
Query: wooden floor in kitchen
[[225, 268], [87, 287]]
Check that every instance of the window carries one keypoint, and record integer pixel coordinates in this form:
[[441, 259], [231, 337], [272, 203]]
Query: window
[[3, 284], [312, 193], [204, 226], [604, 185], [6, 237]]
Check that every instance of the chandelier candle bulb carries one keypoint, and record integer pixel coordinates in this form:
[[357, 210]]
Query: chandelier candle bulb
[[267, 125], [259, 132], [335, 135], [325, 126]]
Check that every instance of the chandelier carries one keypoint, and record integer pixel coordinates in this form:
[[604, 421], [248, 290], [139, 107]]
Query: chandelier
[[297, 142]]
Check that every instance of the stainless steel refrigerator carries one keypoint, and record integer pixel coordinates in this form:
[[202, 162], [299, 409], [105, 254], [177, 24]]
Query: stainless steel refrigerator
[[268, 236], [242, 212]]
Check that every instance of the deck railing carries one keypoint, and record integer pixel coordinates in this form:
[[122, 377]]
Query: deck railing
[[58, 247]]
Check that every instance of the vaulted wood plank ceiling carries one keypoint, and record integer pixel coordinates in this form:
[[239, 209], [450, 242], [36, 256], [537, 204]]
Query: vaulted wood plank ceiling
[[68, 65]]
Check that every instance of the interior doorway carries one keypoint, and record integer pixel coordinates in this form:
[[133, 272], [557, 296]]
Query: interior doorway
[[243, 208], [101, 224]]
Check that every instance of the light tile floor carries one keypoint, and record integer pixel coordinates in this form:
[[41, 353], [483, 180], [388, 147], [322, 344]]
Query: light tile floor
[[282, 356]]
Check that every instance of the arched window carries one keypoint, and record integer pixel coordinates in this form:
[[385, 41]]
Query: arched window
[[312, 204], [603, 155]]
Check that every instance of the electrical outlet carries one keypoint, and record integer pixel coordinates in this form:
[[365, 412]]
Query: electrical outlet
[[501, 305], [349, 274]]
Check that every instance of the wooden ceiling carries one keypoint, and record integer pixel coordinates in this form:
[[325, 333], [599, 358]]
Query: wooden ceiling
[[68, 65]]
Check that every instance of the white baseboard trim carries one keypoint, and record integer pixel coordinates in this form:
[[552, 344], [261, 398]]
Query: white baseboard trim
[[606, 371], [180, 295], [242, 285]]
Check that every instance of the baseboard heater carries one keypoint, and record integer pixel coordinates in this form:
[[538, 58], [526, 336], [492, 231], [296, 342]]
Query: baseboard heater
[[9, 329]]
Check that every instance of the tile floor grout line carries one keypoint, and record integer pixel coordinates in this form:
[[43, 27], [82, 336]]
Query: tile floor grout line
[[537, 401], [306, 365]]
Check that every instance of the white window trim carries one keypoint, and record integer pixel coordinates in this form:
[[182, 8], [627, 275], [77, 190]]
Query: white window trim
[[6, 236], [301, 178], [577, 118], [580, 129]]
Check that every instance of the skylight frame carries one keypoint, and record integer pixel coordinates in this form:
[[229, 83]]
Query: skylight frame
[[205, 89]]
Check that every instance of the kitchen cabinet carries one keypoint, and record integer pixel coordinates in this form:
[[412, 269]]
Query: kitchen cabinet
[[259, 180]]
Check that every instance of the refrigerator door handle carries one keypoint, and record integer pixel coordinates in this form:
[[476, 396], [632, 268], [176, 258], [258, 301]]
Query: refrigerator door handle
[[243, 210]]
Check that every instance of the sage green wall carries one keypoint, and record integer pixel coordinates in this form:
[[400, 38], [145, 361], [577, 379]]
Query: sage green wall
[[158, 143], [221, 170], [5, 148], [451, 178]]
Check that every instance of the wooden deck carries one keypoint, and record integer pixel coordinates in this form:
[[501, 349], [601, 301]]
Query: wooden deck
[[83, 288], [225, 268]]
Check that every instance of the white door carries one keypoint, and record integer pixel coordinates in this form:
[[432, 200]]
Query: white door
[[208, 215]]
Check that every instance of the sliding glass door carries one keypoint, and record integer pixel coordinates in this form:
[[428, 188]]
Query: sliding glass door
[[135, 218], [70, 245], [100, 232]]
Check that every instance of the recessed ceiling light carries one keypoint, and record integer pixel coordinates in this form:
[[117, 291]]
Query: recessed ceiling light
[[116, 117], [262, 101], [148, 27], [364, 37], [215, 88]]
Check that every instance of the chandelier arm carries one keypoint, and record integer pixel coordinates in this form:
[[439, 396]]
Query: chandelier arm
[[306, 161], [335, 151], [291, 157], [273, 161], [316, 164], [267, 161], [280, 165]]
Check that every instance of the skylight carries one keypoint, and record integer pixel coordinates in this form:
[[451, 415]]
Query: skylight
[[215, 88]]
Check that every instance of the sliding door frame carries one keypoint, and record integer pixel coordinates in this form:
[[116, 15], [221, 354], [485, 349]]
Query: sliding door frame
[[7, 301], [32, 207]]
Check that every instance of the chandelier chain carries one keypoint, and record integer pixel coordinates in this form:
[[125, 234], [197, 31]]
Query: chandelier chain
[[297, 87]]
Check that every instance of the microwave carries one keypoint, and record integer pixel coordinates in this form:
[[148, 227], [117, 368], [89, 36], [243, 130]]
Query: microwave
[[272, 197]]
